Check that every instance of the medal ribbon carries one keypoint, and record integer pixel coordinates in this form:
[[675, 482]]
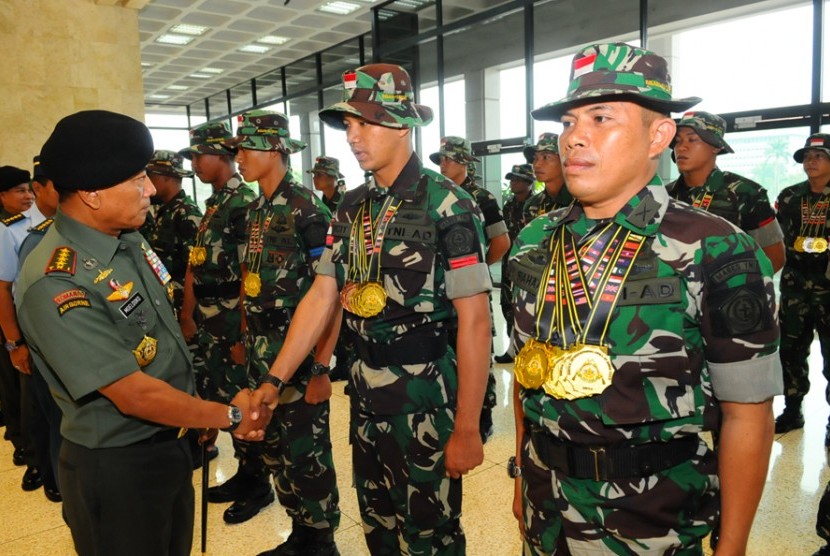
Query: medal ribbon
[[200, 234], [369, 232], [813, 218], [256, 243], [703, 200]]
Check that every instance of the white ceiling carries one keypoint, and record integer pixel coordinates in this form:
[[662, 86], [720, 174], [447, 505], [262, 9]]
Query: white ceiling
[[234, 23]]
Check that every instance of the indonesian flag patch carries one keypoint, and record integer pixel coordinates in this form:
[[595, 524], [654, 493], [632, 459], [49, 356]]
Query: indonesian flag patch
[[584, 65], [350, 80]]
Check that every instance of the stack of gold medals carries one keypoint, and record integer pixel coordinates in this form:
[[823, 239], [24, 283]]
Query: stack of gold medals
[[813, 219], [198, 253], [577, 299], [256, 244], [363, 295]]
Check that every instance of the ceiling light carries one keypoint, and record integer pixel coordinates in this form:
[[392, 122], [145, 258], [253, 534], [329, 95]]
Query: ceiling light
[[273, 39], [186, 29], [146, 65], [177, 88], [158, 97], [211, 70], [200, 75], [339, 8], [169, 38], [255, 49]]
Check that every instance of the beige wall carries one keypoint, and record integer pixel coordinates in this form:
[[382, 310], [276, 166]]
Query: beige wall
[[58, 57]]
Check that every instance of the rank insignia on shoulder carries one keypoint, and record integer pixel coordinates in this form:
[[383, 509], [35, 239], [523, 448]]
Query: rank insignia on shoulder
[[145, 352], [12, 219], [43, 226], [63, 260]]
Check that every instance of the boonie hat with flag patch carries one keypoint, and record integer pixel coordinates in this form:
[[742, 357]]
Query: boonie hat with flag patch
[[264, 130], [326, 165], [547, 141], [521, 172], [207, 139], [168, 163], [618, 72], [454, 148], [380, 94], [818, 141], [710, 127]]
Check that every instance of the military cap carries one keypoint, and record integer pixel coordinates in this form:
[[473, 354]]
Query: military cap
[[620, 72], [380, 94], [264, 130], [11, 176], [39, 173], [817, 141], [207, 139], [547, 141], [96, 149], [710, 127], [454, 148], [326, 165], [168, 163], [521, 172]]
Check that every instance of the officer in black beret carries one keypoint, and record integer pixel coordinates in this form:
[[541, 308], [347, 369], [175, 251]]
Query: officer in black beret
[[94, 304]]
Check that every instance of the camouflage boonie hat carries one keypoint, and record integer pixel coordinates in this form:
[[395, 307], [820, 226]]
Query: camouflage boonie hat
[[818, 141], [168, 163], [620, 72], [207, 139], [521, 172], [547, 141], [380, 94], [710, 128], [326, 165], [454, 148], [264, 130]]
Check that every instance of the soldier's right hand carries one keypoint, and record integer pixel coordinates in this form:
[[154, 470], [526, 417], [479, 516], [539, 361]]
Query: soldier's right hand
[[252, 427], [517, 504]]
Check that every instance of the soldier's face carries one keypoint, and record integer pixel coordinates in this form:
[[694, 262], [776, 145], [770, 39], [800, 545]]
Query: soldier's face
[[816, 165], [374, 146], [453, 170], [323, 182], [17, 199], [253, 164], [519, 186], [46, 195], [609, 152], [208, 167], [691, 152], [124, 206], [547, 166], [164, 185]]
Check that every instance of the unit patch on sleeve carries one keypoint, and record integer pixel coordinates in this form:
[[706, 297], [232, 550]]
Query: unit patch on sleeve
[[71, 299]]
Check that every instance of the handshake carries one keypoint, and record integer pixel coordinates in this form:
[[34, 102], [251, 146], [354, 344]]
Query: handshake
[[256, 414]]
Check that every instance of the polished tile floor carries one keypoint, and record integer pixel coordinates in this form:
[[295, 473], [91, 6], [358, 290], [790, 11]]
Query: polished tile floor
[[785, 525]]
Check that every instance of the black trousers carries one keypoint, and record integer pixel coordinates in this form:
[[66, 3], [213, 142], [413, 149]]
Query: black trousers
[[45, 424], [10, 398], [131, 501]]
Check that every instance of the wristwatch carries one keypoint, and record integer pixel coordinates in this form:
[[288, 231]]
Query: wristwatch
[[318, 369], [513, 470], [234, 418], [12, 345], [268, 378]]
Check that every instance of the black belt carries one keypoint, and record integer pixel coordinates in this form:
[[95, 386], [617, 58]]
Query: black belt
[[604, 463], [269, 319], [166, 435], [413, 349], [225, 290]]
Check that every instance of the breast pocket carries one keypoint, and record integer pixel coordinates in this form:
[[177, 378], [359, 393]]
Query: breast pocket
[[408, 269], [136, 322]]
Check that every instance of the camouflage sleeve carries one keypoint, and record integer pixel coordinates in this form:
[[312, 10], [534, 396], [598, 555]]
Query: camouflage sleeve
[[312, 223], [334, 259], [237, 229], [494, 224], [738, 320], [186, 228], [461, 245], [529, 240]]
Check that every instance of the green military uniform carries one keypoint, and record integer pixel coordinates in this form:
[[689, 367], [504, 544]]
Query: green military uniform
[[286, 234], [514, 218], [543, 202], [405, 379]]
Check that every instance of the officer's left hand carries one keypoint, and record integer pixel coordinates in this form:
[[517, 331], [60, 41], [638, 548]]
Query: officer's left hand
[[21, 360], [318, 389], [463, 453]]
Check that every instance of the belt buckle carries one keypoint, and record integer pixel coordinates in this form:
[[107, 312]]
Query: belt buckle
[[599, 463]]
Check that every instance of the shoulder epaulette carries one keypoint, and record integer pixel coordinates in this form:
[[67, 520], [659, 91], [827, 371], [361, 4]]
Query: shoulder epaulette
[[43, 226], [63, 259], [12, 219]]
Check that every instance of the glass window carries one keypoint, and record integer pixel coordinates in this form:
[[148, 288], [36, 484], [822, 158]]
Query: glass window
[[241, 97], [740, 79], [404, 19], [301, 76], [454, 117], [340, 58], [269, 87], [218, 104], [335, 142]]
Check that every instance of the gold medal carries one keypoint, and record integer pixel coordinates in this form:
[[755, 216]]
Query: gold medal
[[533, 364], [553, 386], [145, 352], [198, 256], [799, 244], [346, 295], [253, 284], [371, 299], [587, 371], [819, 245]]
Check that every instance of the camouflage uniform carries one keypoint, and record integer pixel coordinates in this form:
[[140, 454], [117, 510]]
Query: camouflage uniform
[[514, 218], [662, 389], [175, 224], [405, 379], [619, 467], [285, 237], [543, 202]]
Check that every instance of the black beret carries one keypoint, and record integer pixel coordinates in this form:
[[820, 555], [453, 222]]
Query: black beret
[[96, 149], [11, 176]]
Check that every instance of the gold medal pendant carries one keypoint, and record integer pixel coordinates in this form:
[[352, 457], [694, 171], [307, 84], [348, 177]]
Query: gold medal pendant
[[554, 386], [587, 371], [533, 364], [346, 295], [198, 256], [371, 299], [799, 244], [253, 284], [145, 352], [819, 245]]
